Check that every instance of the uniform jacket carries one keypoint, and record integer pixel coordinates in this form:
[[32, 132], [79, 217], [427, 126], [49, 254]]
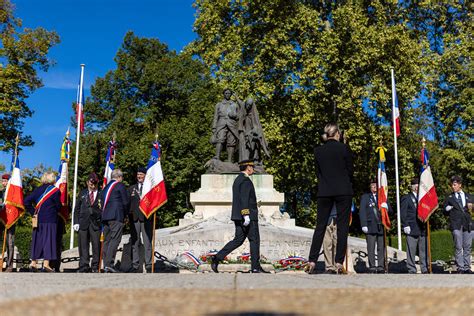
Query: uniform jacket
[[370, 215], [244, 199], [118, 204], [48, 212], [135, 213], [458, 215], [87, 214], [335, 169], [409, 215]]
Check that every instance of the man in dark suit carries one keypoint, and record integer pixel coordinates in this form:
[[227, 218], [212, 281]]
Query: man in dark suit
[[371, 224], [87, 222], [140, 225], [335, 173], [245, 217], [414, 229], [458, 205], [116, 203]]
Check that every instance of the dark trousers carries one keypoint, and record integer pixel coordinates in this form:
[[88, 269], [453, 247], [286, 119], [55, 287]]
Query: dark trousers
[[88, 237], [112, 238], [10, 245], [241, 232], [325, 204], [146, 230], [414, 242], [372, 241]]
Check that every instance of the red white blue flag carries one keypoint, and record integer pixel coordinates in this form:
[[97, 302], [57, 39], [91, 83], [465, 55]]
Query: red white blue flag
[[154, 190], [14, 208], [80, 109], [110, 162], [427, 197], [395, 109], [61, 181], [382, 189]]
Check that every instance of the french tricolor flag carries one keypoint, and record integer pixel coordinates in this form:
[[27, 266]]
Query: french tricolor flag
[[395, 109], [109, 162], [14, 207], [154, 190], [427, 197]]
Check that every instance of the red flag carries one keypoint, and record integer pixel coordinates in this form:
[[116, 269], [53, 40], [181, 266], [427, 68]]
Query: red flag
[[14, 207], [427, 197], [154, 190]]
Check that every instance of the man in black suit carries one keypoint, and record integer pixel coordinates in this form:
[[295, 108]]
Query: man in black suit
[[371, 224], [335, 173], [414, 229], [458, 205], [245, 217], [115, 206], [87, 218], [140, 225]]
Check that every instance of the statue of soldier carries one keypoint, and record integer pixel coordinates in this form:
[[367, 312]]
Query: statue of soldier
[[225, 126], [251, 138]]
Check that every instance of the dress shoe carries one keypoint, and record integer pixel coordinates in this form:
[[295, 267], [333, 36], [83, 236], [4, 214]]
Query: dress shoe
[[214, 265], [380, 270], [9, 269], [340, 269], [83, 270], [330, 271], [148, 269], [373, 270], [47, 269], [310, 267], [468, 271], [95, 270], [460, 272], [259, 270], [32, 268], [110, 270]]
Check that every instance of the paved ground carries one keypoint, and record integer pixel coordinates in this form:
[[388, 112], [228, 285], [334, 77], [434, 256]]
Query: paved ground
[[235, 294]]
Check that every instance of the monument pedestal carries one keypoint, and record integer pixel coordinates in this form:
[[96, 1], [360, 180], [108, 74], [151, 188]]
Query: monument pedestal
[[215, 197]]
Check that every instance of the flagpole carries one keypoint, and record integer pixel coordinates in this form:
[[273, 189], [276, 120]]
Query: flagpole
[[397, 184], [428, 236], [154, 226], [76, 162], [17, 141]]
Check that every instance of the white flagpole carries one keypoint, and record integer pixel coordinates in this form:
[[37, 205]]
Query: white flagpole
[[397, 184], [76, 161]]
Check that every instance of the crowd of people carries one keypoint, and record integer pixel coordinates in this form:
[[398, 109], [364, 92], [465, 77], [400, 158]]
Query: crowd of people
[[108, 209]]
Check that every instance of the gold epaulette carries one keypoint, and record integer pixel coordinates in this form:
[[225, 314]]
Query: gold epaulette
[[245, 211]]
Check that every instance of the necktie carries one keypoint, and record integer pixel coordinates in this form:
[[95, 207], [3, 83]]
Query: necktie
[[140, 187], [458, 198], [91, 197]]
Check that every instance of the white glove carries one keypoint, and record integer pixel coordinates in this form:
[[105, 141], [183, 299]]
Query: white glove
[[75, 227], [407, 230], [449, 208], [246, 220], [384, 205], [365, 229]]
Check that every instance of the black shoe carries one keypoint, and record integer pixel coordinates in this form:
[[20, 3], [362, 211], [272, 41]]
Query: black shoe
[[110, 270], [83, 270], [148, 269], [468, 271], [330, 272], [214, 265], [380, 270], [95, 270], [259, 270], [460, 271], [373, 270]]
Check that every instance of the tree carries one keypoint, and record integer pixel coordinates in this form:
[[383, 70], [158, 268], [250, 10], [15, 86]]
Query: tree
[[22, 54], [152, 90]]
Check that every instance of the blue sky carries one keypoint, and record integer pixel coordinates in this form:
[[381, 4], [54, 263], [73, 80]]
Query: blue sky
[[91, 32]]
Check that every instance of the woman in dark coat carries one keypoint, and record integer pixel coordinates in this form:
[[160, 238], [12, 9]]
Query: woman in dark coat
[[44, 202], [335, 175]]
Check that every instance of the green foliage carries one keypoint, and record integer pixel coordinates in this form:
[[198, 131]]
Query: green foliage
[[22, 54], [152, 90], [310, 62]]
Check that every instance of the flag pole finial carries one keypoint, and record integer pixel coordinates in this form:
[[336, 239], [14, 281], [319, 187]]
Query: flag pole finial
[[423, 142]]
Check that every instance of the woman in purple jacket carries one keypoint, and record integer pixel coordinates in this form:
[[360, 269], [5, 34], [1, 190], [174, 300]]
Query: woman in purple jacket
[[44, 203]]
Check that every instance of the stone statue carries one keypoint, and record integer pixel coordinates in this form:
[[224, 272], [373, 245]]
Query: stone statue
[[225, 126], [251, 139], [236, 126]]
